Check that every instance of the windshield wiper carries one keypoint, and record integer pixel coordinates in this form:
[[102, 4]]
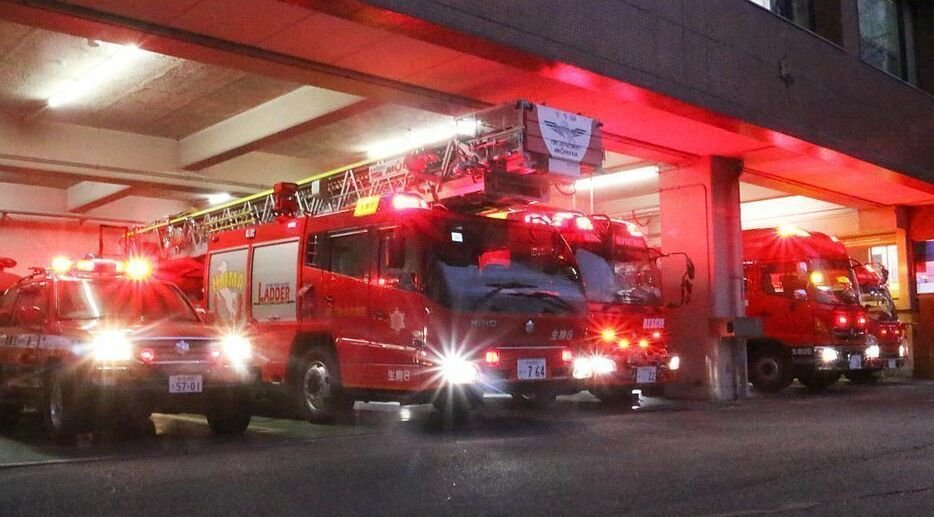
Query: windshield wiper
[[498, 287], [547, 296]]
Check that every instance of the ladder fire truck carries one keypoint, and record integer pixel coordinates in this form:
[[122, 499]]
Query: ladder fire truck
[[358, 289]]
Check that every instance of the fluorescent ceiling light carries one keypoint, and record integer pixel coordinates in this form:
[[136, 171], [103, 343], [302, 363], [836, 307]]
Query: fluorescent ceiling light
[[90, 80], [422, 137], [220, 197], [618, 178]]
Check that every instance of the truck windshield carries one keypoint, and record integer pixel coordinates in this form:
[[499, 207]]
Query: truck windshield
[[832, 282], [630, 277], [122, 300], [877, 300], [501, 266]]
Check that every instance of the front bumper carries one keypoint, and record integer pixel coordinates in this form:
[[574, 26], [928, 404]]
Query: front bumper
[[148, 386], [848, 358]]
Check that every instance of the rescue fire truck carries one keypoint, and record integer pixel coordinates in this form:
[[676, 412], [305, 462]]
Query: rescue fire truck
[[627, 345], [95, 341], [883, 320], [802, 286], [360, 289]]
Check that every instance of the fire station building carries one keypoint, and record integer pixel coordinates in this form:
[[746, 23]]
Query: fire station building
[[717, 116]]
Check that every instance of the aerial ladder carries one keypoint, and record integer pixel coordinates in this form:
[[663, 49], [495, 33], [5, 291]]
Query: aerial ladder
[[502, 156]]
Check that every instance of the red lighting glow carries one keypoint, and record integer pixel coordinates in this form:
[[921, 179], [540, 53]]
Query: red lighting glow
[[567, 356], [491, 357], [405, 201]]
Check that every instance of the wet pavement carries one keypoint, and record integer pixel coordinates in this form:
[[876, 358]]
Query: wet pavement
[[852, 449]]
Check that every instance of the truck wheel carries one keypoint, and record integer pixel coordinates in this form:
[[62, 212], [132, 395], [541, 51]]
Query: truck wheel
[[229, 412], [769, 371], [9, 413], [818, 381], [541, 399], [863, 376], [614, 396], [456, 403], [65, 409], [318, 395]]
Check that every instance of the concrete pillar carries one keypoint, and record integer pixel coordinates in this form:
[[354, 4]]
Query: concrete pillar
[[700, 215]]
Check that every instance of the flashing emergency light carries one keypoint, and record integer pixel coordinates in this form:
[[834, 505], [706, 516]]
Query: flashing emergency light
[[61, 264], [643, 343], [633, 229], [656, 335], [406, 201], [861, 320], [583, 223], [608, 334], [841, 320], [788, 230], [137, 268], [623, 344], [674, 363]]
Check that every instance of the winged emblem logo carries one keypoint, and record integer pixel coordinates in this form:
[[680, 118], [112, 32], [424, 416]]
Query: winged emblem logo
[[565, 132]]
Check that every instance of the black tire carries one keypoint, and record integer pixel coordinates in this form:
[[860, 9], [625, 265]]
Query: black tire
[[456, 404], [818, 381], [615, 396], [769, 370], [863, 376], [9, 414], [230, 411], [540, 399], [317, 392], [65, 408]]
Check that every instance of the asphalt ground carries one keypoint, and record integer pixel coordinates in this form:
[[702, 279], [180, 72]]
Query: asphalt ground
[[865, 450]]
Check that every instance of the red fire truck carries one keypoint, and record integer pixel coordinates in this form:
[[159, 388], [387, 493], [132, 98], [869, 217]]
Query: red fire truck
[[883, 321], [802, 286], [627, 344], [97, 341], [394, 300]]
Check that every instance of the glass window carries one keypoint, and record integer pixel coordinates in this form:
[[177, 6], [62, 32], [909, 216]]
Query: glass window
[[348, 253], [888, 257], [315, 253], [396, 260], [881, 38], [31, 297], [122, 300]]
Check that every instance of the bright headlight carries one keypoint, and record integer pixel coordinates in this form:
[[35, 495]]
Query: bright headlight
[[829, 355], [902, 351], [457, 370], [602, 365], [237, 348], [583, 368], [872, 352], [674, 363], [111, 345]]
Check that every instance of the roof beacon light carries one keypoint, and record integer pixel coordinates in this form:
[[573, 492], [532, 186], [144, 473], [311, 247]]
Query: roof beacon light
[[61, 265], [791, 231], [583, 223], [406, 201], [138, 268]]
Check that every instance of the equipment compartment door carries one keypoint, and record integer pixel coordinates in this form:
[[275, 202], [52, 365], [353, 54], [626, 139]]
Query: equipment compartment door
[[273, 279]]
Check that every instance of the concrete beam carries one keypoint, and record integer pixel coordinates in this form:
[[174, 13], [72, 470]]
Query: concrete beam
[[296, 112], [88, 195]]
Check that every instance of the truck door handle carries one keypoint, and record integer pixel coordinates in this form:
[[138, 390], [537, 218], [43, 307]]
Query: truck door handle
[[329, 300]]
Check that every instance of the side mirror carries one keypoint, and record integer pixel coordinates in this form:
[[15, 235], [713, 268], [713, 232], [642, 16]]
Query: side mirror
[[799, 295], [31, 316], [7, 262]]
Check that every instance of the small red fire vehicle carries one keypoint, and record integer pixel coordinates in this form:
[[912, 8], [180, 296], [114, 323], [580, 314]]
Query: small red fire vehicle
[[883, 319], [97, 341], [802, 286]]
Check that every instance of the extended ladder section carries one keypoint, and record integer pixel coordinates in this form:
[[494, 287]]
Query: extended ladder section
[[505, 155]]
